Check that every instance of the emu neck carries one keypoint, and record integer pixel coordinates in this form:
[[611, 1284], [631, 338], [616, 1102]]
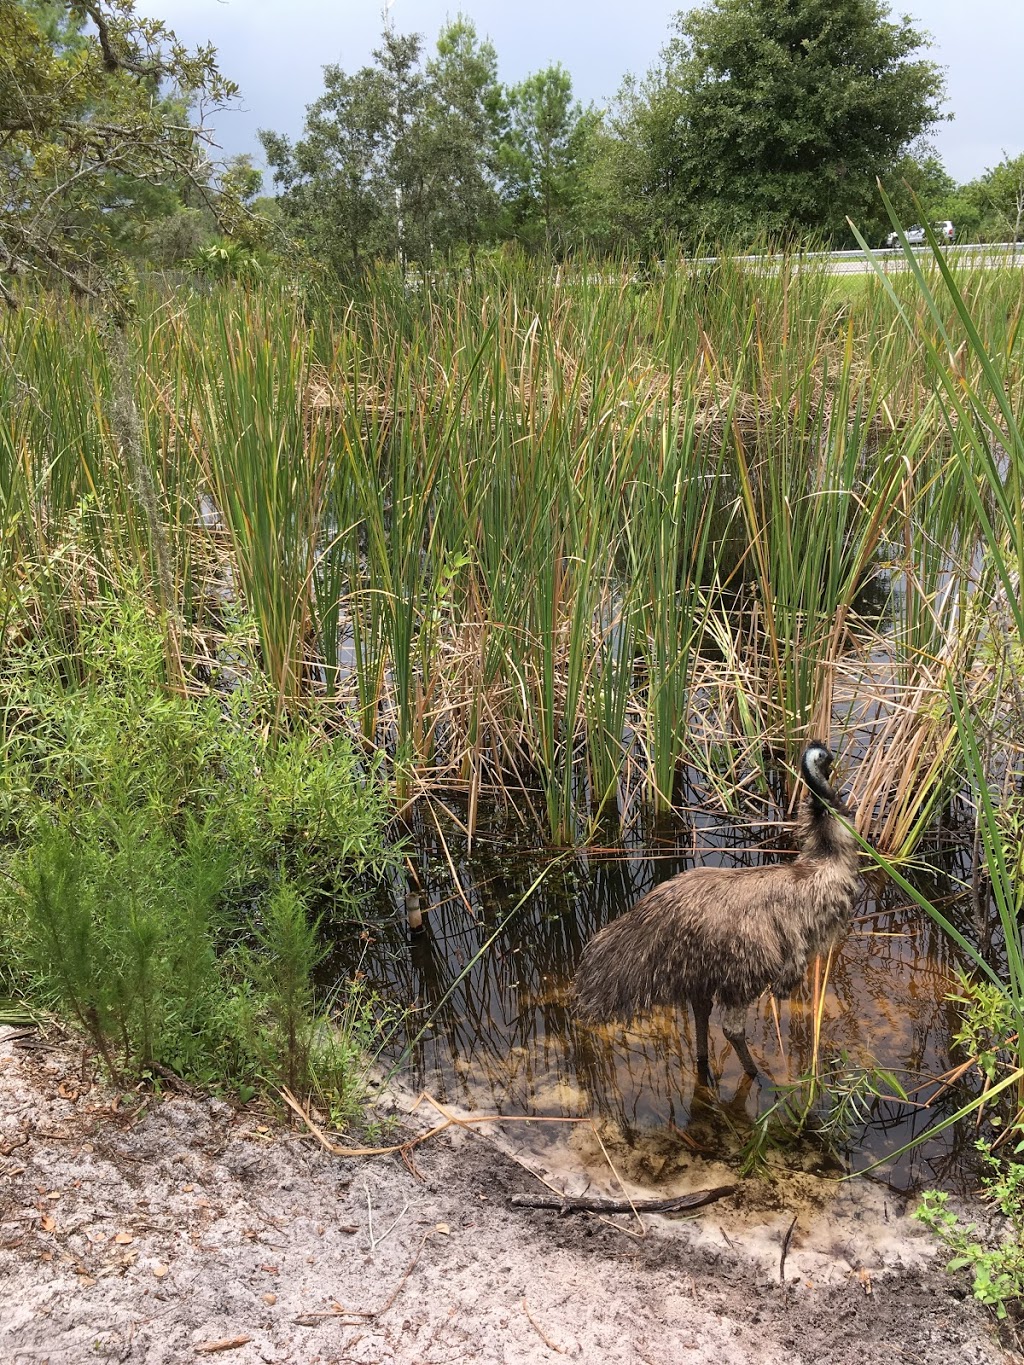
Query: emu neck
[[822, 834]]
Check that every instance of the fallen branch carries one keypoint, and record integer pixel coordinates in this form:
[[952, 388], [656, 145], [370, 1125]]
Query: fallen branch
[[450, 1121], [696, 1199]]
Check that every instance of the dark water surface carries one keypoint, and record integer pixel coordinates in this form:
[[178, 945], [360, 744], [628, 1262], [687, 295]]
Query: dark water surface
[[491, 1029]]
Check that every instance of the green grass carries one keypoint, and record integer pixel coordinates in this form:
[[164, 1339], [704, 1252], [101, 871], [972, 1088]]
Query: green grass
[[588, 542]]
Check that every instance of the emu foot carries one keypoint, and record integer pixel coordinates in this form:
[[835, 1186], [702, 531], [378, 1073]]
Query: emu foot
[[739, 1045], [708, 1083]]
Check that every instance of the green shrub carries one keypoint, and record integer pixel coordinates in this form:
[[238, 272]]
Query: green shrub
[[287, 953], [997, 1265], [987, 1033], [826, 1105], [121, 935], [159, 854], [96, 737]]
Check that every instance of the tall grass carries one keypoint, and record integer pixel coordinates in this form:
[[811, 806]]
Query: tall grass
[[591, 543], [977, 388]]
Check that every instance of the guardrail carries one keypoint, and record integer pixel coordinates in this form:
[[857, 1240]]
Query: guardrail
[[890, 255], [958, 249]]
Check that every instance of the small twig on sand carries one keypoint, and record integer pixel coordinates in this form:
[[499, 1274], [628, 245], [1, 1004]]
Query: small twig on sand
[[785, 1250], [22, 1142], [376, 1241], [631, 1206], [313, 1319], [562, 1350], [450, 1121], [226, 1344]]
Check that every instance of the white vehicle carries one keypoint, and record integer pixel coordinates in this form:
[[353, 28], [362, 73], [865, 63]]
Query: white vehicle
[[944, 231], [914, 235]]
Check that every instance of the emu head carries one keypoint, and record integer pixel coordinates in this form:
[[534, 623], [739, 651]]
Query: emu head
[[816, 768]]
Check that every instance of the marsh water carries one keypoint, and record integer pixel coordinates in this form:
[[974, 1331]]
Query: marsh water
[[490, 1026]]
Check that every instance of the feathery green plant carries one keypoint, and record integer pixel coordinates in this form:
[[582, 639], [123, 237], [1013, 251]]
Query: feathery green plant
[[141, 826]]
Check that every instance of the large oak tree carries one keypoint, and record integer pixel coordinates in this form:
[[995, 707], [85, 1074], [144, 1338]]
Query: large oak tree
[[776, 116], [397, 159]]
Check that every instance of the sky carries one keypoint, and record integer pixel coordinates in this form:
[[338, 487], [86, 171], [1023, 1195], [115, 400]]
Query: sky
[[275, 50]]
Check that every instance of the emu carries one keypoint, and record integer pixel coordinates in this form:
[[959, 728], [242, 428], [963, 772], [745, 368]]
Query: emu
[[728, 934]]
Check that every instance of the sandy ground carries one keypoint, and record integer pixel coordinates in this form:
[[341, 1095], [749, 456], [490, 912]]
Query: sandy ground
[[172, 1230]]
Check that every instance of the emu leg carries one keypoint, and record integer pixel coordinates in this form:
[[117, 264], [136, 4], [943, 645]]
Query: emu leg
[[734, 1026], [701, 1015]]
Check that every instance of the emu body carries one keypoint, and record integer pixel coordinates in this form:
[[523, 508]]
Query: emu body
[[728, 934]]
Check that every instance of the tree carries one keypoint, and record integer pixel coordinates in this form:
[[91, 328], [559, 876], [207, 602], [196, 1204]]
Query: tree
[[991, 208], [461, 122], [340, 182], [333, 186], [627, 194], [1003, 193], [546, 130], [397, 159], [920, 189], [86, 133], [777, 116]]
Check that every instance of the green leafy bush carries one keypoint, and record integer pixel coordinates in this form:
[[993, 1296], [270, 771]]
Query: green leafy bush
[[160, 851], [987, 1033], [997, 1265], [94, 736], [228, 260], [287, 952], [827, 1105], [121, 935]]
